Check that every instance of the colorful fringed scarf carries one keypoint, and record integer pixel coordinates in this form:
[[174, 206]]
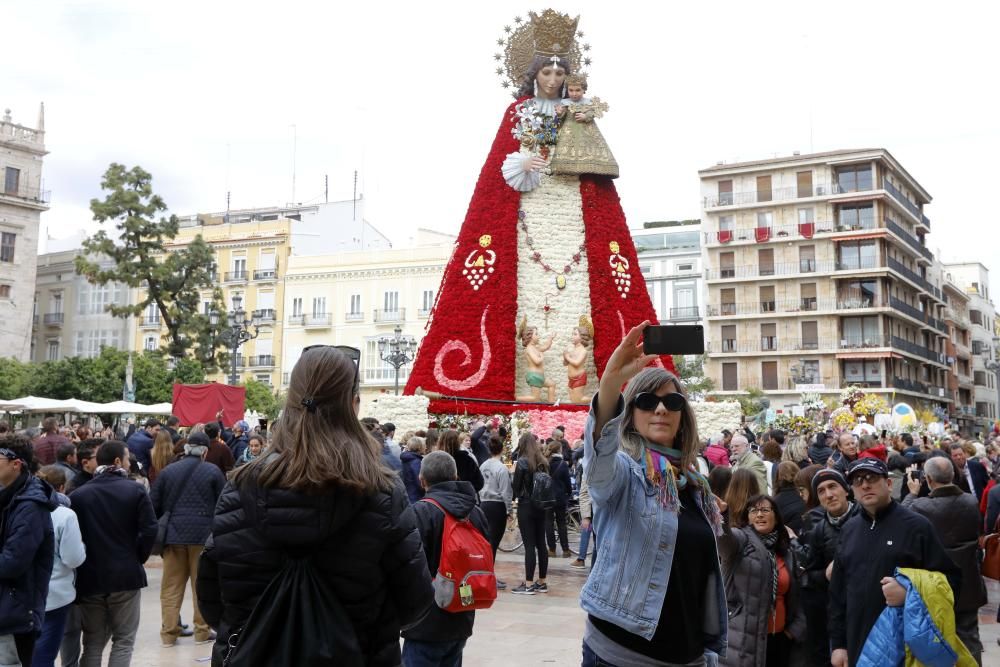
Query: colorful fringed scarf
[[661, 466]]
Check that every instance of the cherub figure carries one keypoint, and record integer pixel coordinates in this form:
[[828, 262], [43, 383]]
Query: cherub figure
[[580, 146], [534, 354], [575, 360]]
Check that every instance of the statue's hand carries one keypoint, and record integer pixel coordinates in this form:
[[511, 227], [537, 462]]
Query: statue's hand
[[534, 163]]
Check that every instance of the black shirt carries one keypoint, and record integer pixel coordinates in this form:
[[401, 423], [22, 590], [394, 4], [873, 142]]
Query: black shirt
[[679, 636]]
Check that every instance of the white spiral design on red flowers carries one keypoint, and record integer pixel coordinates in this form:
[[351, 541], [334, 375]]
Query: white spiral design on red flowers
[[452, 345]]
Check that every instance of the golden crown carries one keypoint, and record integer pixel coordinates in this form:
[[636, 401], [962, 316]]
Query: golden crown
[[547, 34], [577, 80], [585, 323]]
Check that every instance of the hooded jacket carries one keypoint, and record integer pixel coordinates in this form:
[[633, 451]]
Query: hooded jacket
[[717, 455], [410, 462], [27, 554], [955, 517], [191, 512], [367, 546], [819, 453], [921, 631], [754, 464], [872, 548], [140, 445], [459, 500]]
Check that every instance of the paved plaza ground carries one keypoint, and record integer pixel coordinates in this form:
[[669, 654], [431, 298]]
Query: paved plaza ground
[[518, 630]]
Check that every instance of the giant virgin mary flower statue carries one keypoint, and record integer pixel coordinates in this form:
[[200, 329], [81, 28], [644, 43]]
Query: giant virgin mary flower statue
[[544, 280]]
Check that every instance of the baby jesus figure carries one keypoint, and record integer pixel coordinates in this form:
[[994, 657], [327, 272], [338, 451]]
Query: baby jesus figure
[[580, 147]]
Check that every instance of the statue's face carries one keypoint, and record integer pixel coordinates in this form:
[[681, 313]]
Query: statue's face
[[550, 80], [534, 335], [576, 336]]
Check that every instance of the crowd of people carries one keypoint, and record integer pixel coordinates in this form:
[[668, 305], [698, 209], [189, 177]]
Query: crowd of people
[[744, 548]]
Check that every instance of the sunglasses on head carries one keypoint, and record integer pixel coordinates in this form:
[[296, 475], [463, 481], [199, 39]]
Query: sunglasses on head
[[648, 401], [353, 353], [8, 454]]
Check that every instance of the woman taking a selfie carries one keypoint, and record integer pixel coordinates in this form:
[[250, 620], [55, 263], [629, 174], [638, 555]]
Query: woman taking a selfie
[[655, 594]]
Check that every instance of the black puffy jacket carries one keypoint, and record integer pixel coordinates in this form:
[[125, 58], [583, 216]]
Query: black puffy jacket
[[367, 546], [818, 545]]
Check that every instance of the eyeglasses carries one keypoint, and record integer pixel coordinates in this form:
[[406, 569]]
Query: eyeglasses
[[8, 454], [647, 401], [353, 353], [764, 511], [865, 478]]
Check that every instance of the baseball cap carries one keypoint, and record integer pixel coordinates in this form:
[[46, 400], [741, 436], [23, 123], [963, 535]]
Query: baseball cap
[[198, 440], [867, 465]]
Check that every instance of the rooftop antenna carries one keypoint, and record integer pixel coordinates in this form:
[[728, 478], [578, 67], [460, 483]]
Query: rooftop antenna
[[354, 214], [326, 188]]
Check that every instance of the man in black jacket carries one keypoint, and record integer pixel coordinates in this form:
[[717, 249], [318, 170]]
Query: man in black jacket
[[189, 490], [26, 555], [118, 528], [873, 544], [972, 476], [440, 638], [818, 546], [955, 516]]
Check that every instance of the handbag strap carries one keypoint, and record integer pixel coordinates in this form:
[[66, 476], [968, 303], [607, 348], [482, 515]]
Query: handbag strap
[[183, 486]]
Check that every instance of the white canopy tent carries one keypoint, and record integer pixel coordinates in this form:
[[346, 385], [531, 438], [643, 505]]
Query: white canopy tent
[[38, 404]]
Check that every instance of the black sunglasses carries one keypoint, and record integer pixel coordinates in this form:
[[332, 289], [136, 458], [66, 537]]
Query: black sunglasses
[[647, 401], [353, 353]]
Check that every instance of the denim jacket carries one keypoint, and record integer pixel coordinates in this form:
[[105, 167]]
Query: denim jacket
[[629, 581]]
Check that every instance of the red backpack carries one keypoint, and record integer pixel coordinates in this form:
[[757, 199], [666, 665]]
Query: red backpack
[[465, 578]]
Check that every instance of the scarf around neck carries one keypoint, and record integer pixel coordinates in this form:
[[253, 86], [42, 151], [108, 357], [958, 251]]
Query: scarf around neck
[[111, 470], [662, 468], [770, 543]]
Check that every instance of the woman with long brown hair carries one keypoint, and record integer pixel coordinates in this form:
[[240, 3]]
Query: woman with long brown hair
[[321, 490], [162, 454], [743, 486], [531, 518]]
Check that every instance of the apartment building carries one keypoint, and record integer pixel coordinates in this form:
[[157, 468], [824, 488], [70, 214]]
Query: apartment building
[[974, 279], [354, 298], [22, 201], [71, 318], [670, 260], [959, 357], [251, 253], [819, 276]]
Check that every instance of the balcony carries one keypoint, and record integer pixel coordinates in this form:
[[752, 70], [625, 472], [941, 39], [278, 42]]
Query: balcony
[[686, 313], [53, 319], [34, 320], [903, 201], [910, 385], [765, 344], [910, 240], [779, 269], [354, 317], [263, 361], [317, 321], [385, 316], [863, 342], [918, 350], [27, 194], [773, 233], [912, 276], [233, 277], [773, 195], [241, 362], [264, 316], [925, 221], [149, 323], [907, 309], [423, 312], [265, 275]]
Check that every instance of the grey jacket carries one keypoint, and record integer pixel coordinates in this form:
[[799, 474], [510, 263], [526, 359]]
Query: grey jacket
[[496, 483], [754, 464], [748, 575], [955, 517]]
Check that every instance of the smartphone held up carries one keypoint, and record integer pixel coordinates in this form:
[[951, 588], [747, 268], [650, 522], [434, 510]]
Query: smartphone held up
[[674, 339]]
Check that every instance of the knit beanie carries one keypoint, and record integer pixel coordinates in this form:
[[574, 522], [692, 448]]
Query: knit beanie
[[826, 474]]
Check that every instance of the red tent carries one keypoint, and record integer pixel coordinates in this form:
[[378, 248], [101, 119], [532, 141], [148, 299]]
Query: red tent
[[199, 403]]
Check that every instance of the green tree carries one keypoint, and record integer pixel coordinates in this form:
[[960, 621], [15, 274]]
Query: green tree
[[14, 377], [262, 399], [691, 371], [172, 278]]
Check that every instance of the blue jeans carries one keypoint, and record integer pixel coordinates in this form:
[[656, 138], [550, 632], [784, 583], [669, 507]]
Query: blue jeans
[[591, 659], [47, 646], [584, 543], [432, 654]]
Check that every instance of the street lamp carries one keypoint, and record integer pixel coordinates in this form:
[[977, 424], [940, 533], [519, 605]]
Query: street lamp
[[397, 351], [238, 330]]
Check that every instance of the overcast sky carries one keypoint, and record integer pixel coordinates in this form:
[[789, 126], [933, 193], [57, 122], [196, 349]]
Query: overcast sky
[[205, 95]]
